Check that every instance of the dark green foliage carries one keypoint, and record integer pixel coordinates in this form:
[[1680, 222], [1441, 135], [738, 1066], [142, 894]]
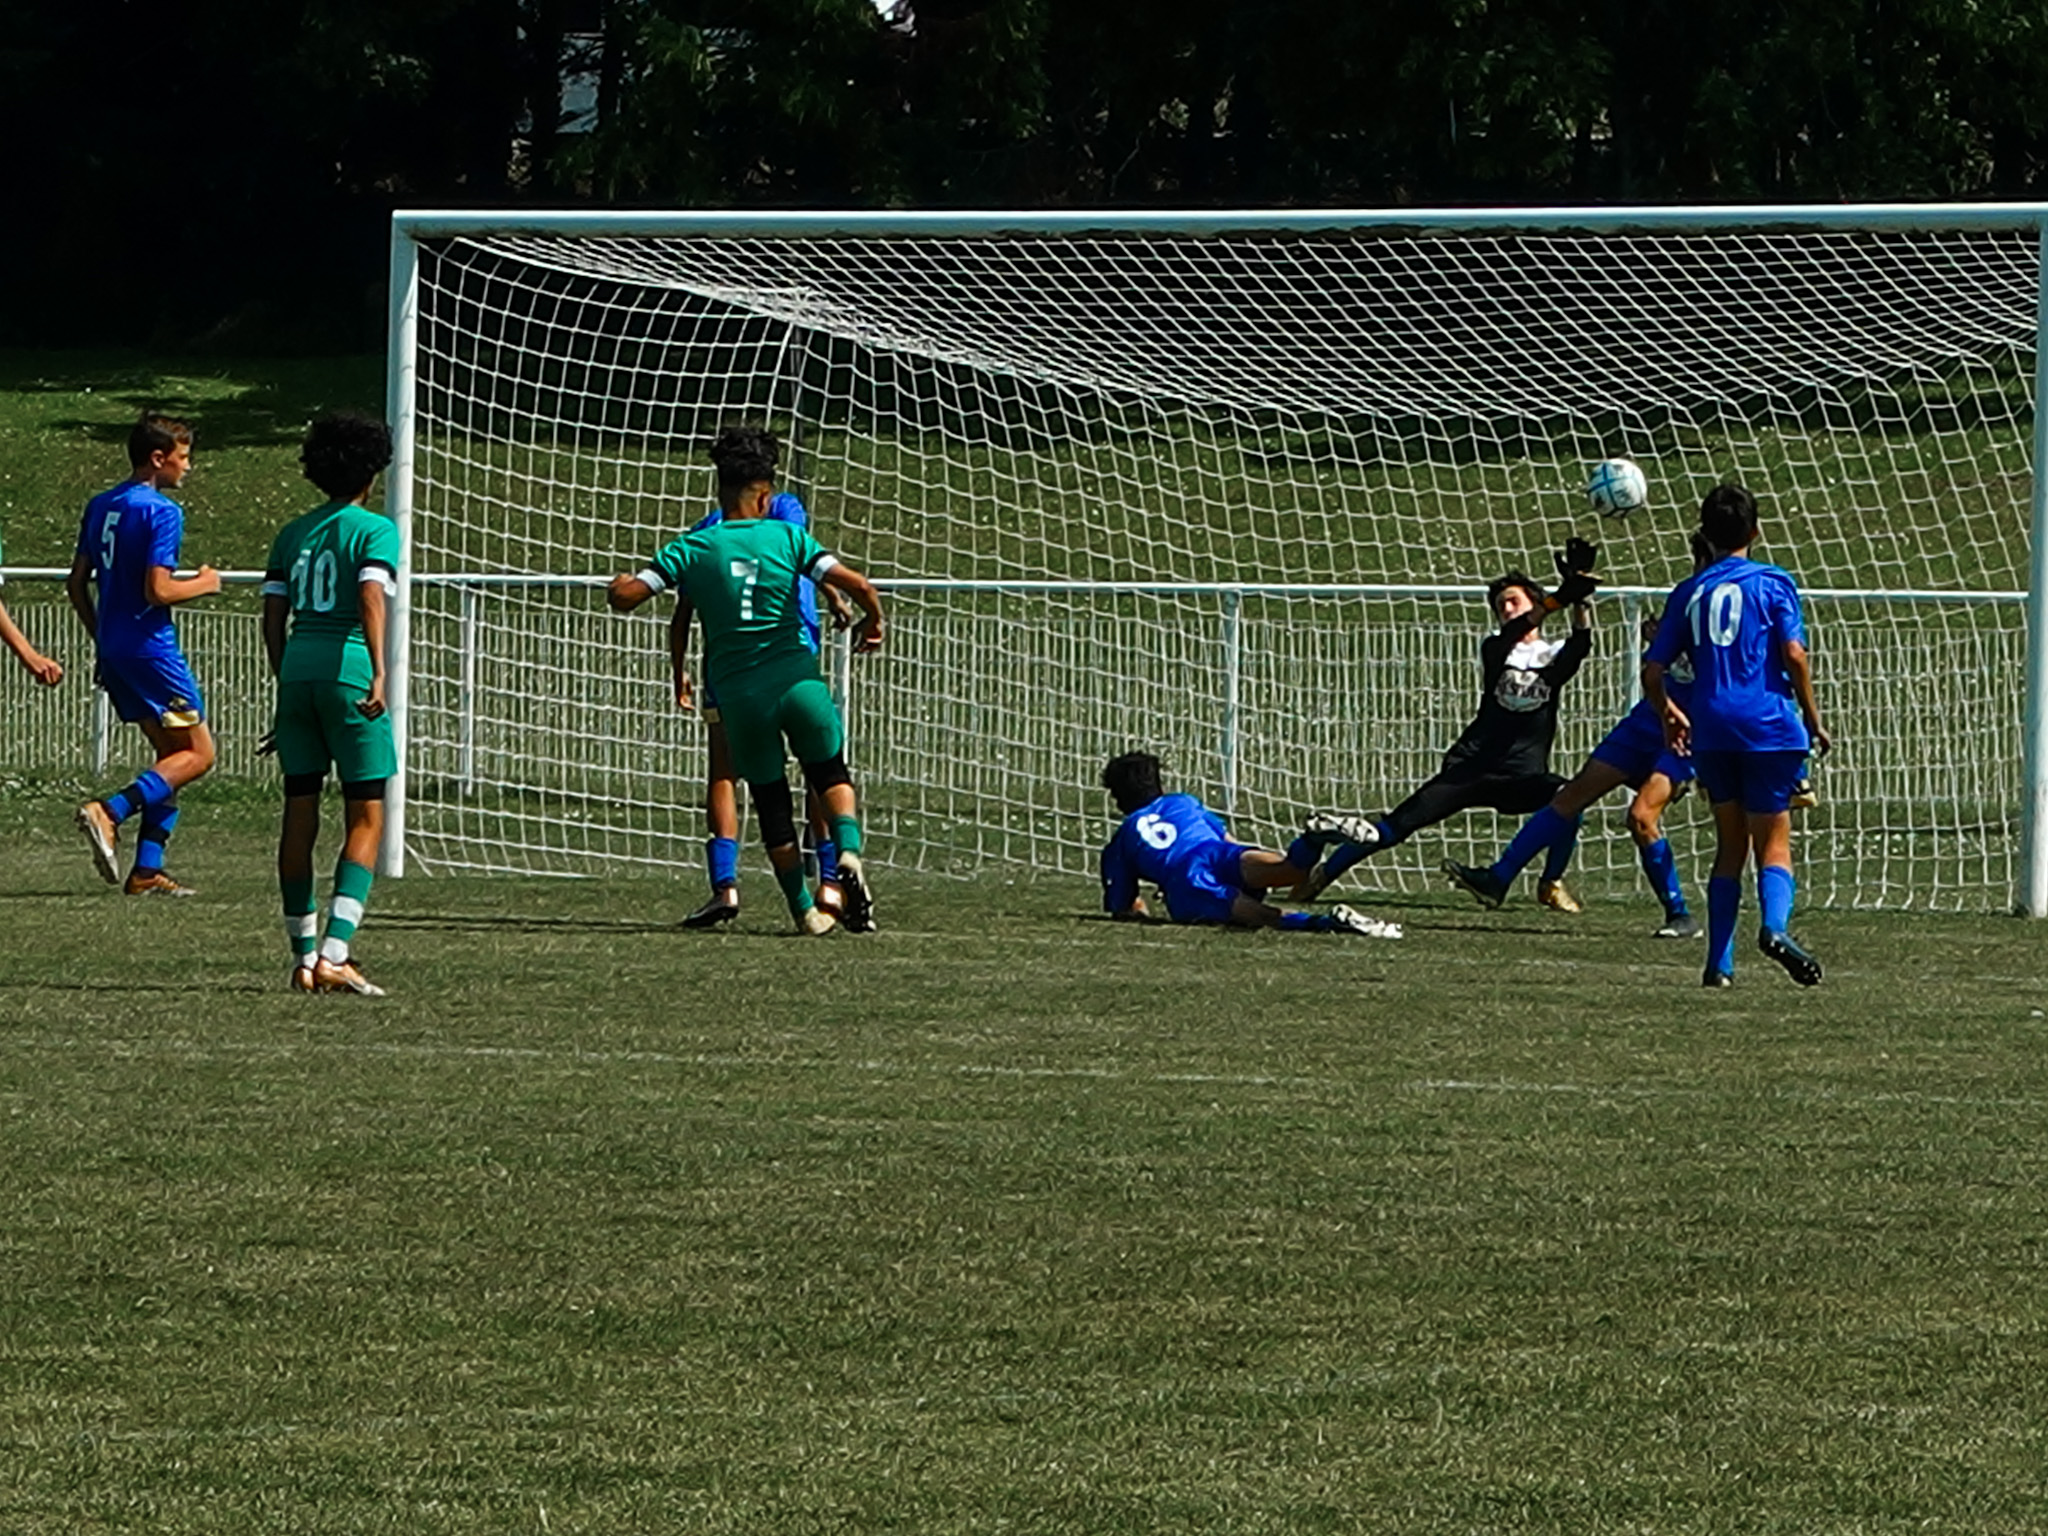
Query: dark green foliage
[[224, 169]]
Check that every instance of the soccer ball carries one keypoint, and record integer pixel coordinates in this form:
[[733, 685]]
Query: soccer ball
[[1617, 488]]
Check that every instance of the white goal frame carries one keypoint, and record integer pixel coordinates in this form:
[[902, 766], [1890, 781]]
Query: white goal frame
[[410, 228]]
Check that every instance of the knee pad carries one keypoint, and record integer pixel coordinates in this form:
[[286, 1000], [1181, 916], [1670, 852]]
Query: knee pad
[[829, 774], [774, 811], [298, 785]]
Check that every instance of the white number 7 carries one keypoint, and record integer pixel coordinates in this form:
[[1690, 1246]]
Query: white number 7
[[749, 572]]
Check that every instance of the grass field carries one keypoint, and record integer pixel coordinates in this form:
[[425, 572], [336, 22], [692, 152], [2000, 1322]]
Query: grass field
[[1004, 1219]]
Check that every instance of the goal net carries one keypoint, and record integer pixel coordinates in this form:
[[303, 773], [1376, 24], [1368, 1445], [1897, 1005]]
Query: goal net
[[1230, 492]]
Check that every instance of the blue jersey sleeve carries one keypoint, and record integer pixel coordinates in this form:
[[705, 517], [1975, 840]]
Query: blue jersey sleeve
[[1119, 879], [1788, 623], [710, 519], [166, 533]]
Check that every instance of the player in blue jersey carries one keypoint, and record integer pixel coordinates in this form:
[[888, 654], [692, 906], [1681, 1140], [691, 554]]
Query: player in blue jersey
[[721, 789], [1749, 726], [1181, 846], [1501, 761], [1633, 753], [123, 585]]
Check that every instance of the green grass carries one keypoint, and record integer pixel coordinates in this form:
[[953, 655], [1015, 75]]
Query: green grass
[[1004, 1219], [64, 420]]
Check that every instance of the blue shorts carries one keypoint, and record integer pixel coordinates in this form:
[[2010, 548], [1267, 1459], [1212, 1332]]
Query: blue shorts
[[159, 688], [1762, 781], [1205, 889], [1635, 749]]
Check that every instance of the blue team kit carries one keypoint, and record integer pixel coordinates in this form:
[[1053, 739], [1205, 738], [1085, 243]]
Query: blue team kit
[[125, 533]]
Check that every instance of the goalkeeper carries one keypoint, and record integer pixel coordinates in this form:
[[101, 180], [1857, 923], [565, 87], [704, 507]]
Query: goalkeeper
[[1502, 760], [1181, 846], [740, 576]]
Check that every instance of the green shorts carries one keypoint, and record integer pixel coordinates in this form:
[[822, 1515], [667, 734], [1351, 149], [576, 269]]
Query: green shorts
[[762, 711], [318, 724]]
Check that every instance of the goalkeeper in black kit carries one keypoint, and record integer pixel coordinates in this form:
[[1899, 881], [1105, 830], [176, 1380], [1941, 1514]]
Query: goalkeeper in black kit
[[1502, 761]]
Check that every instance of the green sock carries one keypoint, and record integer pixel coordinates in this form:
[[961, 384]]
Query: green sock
[[846, 833], [345, 912], [794, 891], [301, 918]]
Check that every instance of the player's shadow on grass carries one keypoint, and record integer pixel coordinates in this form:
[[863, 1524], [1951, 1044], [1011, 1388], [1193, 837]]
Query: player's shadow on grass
[[516, 922]]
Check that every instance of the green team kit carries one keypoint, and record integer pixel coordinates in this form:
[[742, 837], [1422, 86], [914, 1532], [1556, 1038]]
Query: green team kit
[[318, 564], [741, 577]]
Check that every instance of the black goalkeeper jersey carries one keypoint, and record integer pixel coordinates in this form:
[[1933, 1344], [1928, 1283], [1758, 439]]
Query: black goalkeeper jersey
[[1511, 735]]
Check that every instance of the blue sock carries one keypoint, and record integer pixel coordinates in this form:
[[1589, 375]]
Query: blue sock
[[1774, 888], [150, 788], [1724, 900], [1307, 922], [1303, 852], [722, 860], [1562, 847], [157, 823], [1537, 833], [828, 862], [1660, 868]]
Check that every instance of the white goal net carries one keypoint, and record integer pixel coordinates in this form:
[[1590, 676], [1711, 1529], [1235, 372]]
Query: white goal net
[[1231, 493]]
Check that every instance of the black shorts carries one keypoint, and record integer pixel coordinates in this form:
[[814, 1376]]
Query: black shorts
[[1449, 793]]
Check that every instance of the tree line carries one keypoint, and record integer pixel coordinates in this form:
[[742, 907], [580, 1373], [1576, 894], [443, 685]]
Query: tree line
[[223, 170]]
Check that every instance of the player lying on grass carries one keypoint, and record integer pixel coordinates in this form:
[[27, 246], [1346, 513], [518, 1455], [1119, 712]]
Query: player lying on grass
[[721, 788], [123, 585], [1748, 727], [330, 574], [1180, 845], [1502, 760], [44, 669], [740, 577], [1633, 753]]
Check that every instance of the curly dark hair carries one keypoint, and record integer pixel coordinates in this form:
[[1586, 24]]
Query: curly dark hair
[[745, 455], [1132, 780], [344, 451]]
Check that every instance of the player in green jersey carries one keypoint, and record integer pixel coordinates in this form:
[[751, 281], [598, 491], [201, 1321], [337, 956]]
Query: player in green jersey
[[330, 573], [740, 578]]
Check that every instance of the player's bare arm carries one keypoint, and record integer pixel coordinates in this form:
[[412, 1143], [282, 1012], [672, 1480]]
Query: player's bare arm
[[679, 653], [371, 596], [78, 587], [1677, 728], [166, 588], [843, 614], [1799, 668], [44, 669], [867, 636], [277, 614], [627, 592]]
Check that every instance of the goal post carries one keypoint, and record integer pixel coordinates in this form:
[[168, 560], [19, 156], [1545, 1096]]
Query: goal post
[[1226, 485]]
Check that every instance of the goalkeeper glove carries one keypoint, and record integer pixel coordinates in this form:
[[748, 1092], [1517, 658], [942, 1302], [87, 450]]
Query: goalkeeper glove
[[1576, 558]]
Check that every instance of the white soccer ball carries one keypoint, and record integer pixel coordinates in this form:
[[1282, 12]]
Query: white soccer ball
[[1617, 487]]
